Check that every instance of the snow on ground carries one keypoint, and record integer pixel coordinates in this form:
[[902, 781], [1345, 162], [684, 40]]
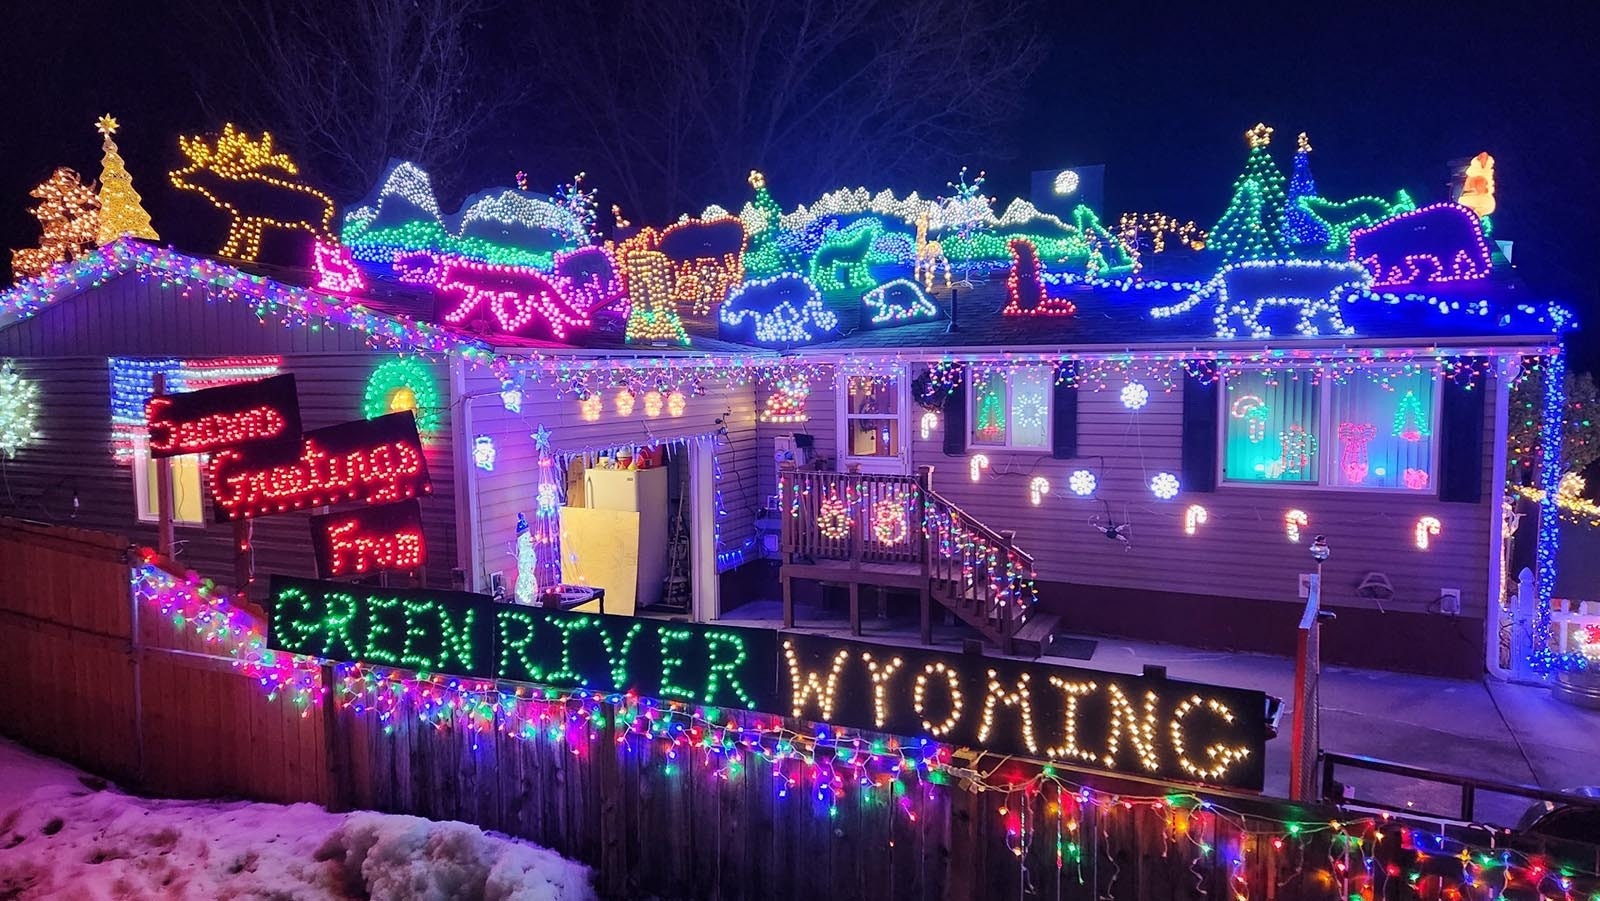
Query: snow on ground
[[64, 834]]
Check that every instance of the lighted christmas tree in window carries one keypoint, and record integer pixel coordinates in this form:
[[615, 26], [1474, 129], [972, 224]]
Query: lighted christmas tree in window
[[121, 212], [1252, 226], [69, 219]]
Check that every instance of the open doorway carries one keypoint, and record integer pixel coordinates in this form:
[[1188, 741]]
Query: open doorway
[[626, 528]]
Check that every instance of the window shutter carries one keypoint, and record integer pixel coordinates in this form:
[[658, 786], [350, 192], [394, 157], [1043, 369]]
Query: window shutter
[[955, 418], [1200, 386], [1064, 413], [1461, 436]]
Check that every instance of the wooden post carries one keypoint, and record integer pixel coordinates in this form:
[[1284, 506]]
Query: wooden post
[[785, 542], [925, 596], [166, 535], [1008, 541], [335, 744], [243, 562]]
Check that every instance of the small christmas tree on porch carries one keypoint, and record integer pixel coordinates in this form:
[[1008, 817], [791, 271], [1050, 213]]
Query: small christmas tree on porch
[[120, 210]]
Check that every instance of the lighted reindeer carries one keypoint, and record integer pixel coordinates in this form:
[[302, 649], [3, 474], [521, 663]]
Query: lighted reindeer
[[257, 186], [930, 255]]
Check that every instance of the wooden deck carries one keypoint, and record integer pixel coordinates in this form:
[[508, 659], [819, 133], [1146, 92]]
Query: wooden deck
[[882, 531]]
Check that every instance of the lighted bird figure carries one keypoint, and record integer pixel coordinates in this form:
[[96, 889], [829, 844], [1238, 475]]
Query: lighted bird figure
[[1112, 530]]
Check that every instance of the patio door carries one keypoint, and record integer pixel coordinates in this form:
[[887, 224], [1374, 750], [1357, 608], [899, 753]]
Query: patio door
[[872, 423]]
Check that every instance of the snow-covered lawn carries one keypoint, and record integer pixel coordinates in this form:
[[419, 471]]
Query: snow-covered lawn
[[64, 834]]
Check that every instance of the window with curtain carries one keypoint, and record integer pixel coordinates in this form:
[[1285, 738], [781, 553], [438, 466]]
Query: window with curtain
[[1012, 412], [1271, 425], [872, 416], [1384, 430]]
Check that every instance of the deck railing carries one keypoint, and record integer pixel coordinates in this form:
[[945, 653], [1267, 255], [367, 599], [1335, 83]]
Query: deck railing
[[864, 518]]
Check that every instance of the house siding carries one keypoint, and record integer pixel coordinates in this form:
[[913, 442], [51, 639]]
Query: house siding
[[512, 487], [1240, 552], [65, 350]]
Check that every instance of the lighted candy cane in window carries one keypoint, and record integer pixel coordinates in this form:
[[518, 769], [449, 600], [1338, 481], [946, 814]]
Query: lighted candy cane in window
[[1410, 422], [1193, 519], [977, 465], [1426, 526], [1353, 440], [930, 421], [1293, 521], [833, 518], [1254, 411], [1037, 489]]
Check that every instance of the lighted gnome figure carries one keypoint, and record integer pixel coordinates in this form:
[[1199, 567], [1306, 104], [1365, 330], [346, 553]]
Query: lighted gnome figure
[[527, 563]]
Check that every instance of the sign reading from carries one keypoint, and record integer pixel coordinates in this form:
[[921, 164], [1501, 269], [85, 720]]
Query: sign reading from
[[373, 460], [1141, 725], [369, 540], [212, 419]]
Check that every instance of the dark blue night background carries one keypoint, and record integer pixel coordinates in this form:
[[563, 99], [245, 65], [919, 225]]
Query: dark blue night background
[[1388, 94]]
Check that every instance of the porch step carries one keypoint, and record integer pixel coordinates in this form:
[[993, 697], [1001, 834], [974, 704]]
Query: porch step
[[1035, 635]]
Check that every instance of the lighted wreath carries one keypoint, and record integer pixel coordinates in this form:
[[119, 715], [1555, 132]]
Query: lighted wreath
[[833, 518], [889, 522], [19, 411], [934, 385], [404, 384]]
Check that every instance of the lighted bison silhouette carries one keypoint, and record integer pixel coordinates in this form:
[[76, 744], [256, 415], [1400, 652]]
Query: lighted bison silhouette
[[782, 310], [495, 297], [1442, 242]]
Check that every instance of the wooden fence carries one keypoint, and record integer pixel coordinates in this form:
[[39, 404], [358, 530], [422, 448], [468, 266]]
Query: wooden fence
[[121, 692]]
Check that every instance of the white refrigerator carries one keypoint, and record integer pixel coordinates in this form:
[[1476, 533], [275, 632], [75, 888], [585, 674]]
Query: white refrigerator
[[642, 491]]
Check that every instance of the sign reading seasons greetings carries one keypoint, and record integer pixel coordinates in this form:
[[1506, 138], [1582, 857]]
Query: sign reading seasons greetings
[[374, 460], [197, 422], [1140, 725]]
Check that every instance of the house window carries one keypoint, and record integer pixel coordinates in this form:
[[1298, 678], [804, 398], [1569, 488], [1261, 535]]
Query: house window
[[188, 504], [1371, 429], [1011, 412], [1272, 426], [872, 417], [1384, 431]]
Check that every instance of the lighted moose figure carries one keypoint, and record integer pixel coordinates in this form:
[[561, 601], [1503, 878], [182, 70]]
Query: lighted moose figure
[[258, 187]]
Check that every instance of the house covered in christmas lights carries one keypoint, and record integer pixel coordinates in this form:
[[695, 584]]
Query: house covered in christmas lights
[[1030, 422]]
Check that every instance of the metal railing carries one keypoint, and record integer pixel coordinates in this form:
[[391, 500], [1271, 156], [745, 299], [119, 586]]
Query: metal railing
[[1470, 787]]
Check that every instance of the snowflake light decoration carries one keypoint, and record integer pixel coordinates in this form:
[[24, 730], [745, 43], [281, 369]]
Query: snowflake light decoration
[[19, 411], [1135, 395], [1082, 482], [1164, 485]]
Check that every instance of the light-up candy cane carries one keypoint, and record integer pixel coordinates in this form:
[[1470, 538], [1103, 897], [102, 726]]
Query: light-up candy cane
[[930, 421], [977, 465], [1427, 525], [1037, 489], [1254, 411], [1193, 518], [1293, 520]]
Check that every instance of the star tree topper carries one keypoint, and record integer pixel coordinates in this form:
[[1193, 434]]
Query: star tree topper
[[541, 440]]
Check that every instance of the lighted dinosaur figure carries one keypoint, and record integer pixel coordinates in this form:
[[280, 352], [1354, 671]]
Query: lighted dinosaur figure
[[256, 185], [930, 254]]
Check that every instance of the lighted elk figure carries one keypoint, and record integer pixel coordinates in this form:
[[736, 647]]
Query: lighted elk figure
[[257, 186]]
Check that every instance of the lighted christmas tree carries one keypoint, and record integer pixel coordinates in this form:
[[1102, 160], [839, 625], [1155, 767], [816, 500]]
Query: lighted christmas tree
[[1252, 226], [1299, 226], [69, 220], [120, 210], [991, 415], [767, 254]]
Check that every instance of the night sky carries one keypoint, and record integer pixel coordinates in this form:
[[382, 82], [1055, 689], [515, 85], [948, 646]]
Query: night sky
[[1163, 96]]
